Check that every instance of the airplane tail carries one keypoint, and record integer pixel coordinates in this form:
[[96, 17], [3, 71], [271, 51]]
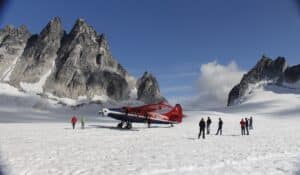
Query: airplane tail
[[175, 114]]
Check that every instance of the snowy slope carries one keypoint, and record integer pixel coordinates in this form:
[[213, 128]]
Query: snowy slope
[[270, 100], [37, 88], [17, 106], [6, 75], [273, 147]]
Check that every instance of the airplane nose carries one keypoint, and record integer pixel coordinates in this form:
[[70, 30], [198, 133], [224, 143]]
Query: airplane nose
[[105, 111]]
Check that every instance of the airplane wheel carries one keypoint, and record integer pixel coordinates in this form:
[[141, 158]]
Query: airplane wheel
[[120, 125], [129, 125]]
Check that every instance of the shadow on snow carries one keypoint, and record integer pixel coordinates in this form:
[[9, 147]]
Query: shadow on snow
[[124, 129]]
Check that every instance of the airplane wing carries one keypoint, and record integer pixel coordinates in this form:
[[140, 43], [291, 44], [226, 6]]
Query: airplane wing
[[149, 108]]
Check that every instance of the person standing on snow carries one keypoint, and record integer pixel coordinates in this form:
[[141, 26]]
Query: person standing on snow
[[82, 121], [208, 122], [220, 126], [73, 121], [147, 119], [247, 125], [242, 123], [202, 129], [251, 123]]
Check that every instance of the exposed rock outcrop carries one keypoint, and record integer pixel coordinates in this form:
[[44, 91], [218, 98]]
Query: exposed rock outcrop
[[39, 54], [85, 67], [292, 74], [12, 43], [148, 89], [68, 65], [266, 70]]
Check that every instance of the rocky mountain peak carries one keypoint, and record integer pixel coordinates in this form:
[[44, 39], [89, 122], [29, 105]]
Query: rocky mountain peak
[[148, 89], [81, 26], [9, 30], [12, 43], [21, 32], [147, 75], [85, 67], [39, 54], [268, 70], [23, 29], [53, 26], [68, 65]]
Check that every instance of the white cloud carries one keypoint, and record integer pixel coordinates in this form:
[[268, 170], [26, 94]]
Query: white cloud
[[214, 83]]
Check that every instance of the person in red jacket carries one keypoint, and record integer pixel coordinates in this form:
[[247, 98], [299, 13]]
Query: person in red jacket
[[73, 121], [243, 123]]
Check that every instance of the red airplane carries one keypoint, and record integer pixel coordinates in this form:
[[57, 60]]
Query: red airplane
[[161, 113]]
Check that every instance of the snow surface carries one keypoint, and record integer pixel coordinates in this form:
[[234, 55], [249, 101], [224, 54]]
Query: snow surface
[[39, 146], [54, 148], [9, 70], [270, 100], [37, 88], [17, 106], [295, 85]]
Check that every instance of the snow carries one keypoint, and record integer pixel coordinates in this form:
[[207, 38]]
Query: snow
[[270, 100], [39, 146], [101, 149], [295, 85], [68, 101], [103, 98], [7, 73], [17, 106], [37, 88]]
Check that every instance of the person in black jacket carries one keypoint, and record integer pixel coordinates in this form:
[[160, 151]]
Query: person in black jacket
[[208, 122], [202, 129], [220, 126], [251, 123], [247, 126]]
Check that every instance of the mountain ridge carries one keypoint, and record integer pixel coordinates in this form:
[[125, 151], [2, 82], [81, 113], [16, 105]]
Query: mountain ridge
[[266, 71], [71, 64]]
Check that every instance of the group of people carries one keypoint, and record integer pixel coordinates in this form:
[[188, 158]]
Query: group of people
[[203, 125], [246, 125], [74, 121]]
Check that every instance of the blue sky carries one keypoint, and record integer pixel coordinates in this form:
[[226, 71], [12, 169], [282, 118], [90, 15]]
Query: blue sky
[[173, 38]]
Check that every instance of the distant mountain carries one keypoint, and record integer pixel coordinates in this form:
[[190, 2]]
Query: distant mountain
[[72, 65], [148, 89], [266, 72]]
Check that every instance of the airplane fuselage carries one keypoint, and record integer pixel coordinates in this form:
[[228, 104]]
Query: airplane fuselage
[[118, 114]]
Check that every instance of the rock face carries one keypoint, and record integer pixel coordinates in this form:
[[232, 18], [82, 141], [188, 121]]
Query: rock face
[[12, 43], [267, 70], [292, 74], [39, 54], [74, 64], [148, 89], [85, 67]]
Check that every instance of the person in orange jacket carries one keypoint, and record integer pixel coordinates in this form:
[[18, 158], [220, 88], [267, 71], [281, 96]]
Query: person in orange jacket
[[73, 121]]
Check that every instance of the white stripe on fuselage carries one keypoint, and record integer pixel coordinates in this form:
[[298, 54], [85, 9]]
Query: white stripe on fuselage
[[106, 112]]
